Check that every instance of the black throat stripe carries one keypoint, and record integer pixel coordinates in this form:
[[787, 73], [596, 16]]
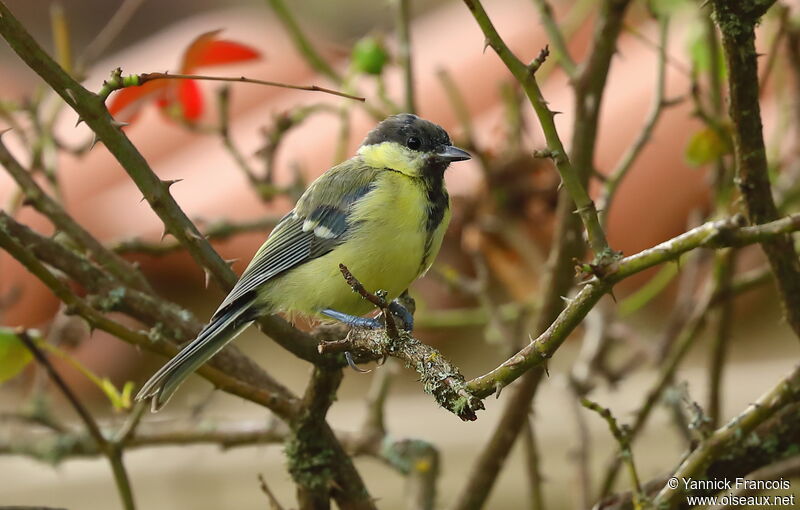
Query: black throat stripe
[[437, 203]]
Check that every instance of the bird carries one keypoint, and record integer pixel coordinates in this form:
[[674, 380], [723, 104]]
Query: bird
[[382, 213]]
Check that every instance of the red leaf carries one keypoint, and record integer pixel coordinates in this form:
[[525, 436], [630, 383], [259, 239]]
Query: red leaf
[[190, 99], [207, 50], [126, 103]]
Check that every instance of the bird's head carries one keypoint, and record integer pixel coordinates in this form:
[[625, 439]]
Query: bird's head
[[411, 145]]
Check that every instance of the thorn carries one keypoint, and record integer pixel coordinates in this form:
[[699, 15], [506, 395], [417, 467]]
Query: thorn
[[79, 121], [230, 262], [165, 233], [194, 235], [207, 276], [498, 388], [169, 182], [611, 293], [142, 199], [486, 44], [71, 94], [546, 369], [94, 141], [119, 124]]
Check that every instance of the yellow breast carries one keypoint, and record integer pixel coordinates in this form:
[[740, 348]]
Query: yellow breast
[[384, 250]]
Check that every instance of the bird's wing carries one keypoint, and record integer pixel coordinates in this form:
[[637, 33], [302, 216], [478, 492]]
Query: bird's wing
[[318, 223]]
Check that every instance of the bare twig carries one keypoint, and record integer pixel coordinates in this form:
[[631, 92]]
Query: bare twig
[[110, 449], [258, 387], [532, 461], [109, 32], [632, 153], [274, 504], [560, 50], [216, 231], [772, 402], [724, 266], [302, 42], [404, 53], [117, 81], [622, 435], [37, 197]]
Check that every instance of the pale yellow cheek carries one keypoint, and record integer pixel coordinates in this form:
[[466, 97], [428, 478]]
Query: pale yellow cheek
[[393, 155]]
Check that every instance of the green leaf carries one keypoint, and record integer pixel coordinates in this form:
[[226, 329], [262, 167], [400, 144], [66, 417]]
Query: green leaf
[[120, 400], [369, 56], [14, 356], [700, 53], [705, 146]]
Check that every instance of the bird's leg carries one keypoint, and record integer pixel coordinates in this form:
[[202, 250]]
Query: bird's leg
[[352, 320], [394, 307]]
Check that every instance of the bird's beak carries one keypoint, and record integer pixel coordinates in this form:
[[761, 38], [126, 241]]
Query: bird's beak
[[450, 153]]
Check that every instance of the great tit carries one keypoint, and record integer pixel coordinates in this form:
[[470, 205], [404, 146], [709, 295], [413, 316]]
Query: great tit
[[382, 213]]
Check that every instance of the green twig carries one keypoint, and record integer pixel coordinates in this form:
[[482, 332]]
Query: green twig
[[302, 42], [694, 466], [649, 291], [111, 29], [715, 234], [557, 40], [109, 449], [404, 53], [622, 435], [555, 149]]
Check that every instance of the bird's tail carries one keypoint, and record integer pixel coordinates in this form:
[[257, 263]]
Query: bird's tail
[[223, 328]]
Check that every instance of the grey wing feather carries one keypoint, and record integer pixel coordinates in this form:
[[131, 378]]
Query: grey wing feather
[[296, 239]]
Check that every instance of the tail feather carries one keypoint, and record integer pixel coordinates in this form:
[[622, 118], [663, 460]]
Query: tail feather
[[212, 338]]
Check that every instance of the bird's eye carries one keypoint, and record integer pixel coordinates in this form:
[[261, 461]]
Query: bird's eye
[[413, 143]]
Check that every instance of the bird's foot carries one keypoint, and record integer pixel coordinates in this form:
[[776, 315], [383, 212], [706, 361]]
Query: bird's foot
[[400, 311], [396, 309]]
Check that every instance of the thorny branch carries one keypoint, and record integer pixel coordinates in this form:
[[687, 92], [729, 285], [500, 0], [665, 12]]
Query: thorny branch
[[570, 176], [737, 23], [110, 291]]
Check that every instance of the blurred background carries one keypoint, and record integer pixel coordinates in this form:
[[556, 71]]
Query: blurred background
[[504, 206]]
